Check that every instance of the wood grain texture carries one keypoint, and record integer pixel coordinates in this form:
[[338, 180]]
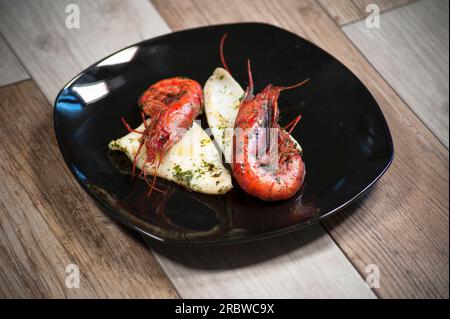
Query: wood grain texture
[[347, 11], [402, 224], [48, 222], [53, 53], [410, 50], [383, 4], [343, 11], [11, 70], [303, 265], [76, 51]]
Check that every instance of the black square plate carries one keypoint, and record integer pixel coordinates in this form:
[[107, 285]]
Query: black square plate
[[346, 141]]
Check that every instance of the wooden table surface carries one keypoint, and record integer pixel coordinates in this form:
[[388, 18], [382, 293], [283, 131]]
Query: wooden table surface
[[48, 222]]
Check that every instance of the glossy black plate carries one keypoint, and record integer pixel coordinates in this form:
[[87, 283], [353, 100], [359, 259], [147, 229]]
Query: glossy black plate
[[346, 141]]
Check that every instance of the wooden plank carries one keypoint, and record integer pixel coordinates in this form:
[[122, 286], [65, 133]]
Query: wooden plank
[[11, 70], [348, 11], [384, 5], [342, 11], [53, 53], [302, 265], [48, 222], [402, 224], [274, 278], [65, 52], [410, 50]]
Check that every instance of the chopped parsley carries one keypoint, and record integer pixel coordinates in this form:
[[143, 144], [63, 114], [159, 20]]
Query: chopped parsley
[[205, 142], [116, 146], [184, 177], [210, 167]]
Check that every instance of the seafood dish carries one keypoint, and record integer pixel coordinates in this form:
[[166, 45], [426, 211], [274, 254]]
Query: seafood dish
[[193, 137], [260, 156], [169, 144]]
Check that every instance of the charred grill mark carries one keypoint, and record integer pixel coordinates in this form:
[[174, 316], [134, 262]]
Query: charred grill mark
[[173, 97]]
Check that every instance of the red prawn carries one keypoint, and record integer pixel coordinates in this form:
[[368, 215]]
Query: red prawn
[[172, 105], [278, 173]]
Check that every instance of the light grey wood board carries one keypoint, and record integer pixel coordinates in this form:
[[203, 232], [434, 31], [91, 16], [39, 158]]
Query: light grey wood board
[[11, 70], [348, 11], [304, 265], [410, 50], [52, 53]]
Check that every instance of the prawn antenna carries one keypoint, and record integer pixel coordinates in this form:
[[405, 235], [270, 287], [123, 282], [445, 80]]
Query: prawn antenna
[[127, 126], [249, 91], [222, 57], [135, 159], [250, 76], [284, 88], [292, 124]]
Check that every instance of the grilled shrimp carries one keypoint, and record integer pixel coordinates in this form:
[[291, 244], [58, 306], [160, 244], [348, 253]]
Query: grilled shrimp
[[172, 105], [268, 162]]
